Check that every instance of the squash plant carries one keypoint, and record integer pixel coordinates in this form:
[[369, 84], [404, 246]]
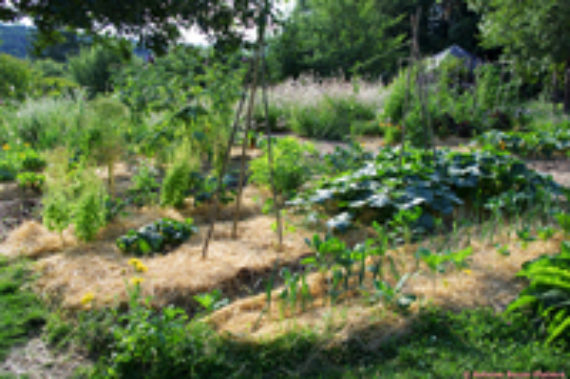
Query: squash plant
[[380, 189]]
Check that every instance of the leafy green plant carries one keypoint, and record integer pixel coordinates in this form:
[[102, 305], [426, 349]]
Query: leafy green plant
[[31, 180], [380, 189], [531, 144], [160, 236], [547, 295], [545, 233], [292, 166], [212, 300], [32, 161], [145, 187], [89, 212], [176, 183], [294, 291], [564, 222], [503, 250], [437, 262]]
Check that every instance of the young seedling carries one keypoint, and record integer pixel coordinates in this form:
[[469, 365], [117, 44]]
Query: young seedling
[[503, 250]]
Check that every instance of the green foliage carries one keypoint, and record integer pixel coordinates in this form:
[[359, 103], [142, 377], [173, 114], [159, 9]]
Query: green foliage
[[58, 331], [292, 165], [160, 236], [211, 16], [21, 312], [89, 211], [30, 180], [276, 116], [393, 135], [548, 293], [176, 183], [162, 85], [456, 104], [532, 144], [380, 189], [211, 301], [331, 118], [526, 30], [16, 77], [15, 160], [73, 195], [144, 190], [366, 128], [345, 36], [342, 264], [46, 122], [94, 66]]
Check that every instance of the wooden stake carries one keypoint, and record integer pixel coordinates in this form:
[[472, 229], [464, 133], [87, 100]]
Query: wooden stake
[[276, 205], [222, 173], [247, 128]]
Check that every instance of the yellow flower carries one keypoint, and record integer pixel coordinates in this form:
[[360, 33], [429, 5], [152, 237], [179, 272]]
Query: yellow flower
[[502, 145], [138, 265], [27, 145], [467, 271], [87, 298], [6, 147], [141, 267], [136, 280], [134, 261], [445, 283]]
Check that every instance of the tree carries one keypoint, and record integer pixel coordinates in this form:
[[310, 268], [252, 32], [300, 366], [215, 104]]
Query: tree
[[156, 22], [16, 77], [94, 65], [366, 37], [528, 30], [326, 37]]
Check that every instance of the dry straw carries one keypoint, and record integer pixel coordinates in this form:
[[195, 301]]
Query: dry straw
[[173, 278], [488, 282]]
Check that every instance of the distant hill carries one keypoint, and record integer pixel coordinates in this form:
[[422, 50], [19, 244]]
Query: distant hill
[[17, 40]]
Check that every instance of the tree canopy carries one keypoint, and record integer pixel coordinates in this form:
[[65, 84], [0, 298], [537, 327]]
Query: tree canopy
[[526, 28], [367, 37], [156, 22]]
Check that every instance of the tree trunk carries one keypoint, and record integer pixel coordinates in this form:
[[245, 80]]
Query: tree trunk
[[567, 88], [554, 89]]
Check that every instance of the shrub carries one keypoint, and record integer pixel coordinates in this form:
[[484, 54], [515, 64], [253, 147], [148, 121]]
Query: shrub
[[452, 104], [291, 165], [16, 77], [144, 189], [276, 115], [392, 135], [89, 211], [94, 66], [32, 161], [366, 128], [47, 122], [331, 118], [73, 195], [176, 184]]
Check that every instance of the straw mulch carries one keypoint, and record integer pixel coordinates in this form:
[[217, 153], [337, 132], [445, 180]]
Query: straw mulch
[[71, 270], [488, 282]]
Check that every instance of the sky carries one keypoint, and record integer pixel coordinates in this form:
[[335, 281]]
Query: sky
[[193, 35]]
